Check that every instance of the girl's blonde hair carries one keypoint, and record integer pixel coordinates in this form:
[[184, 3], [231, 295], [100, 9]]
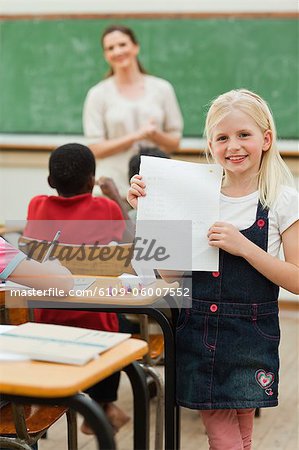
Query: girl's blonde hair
[[273, 172]]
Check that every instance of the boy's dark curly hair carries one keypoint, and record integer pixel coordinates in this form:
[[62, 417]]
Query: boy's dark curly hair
[[70, 167]]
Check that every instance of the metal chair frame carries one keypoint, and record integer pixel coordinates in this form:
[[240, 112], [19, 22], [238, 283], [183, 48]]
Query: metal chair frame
[[24, 439]]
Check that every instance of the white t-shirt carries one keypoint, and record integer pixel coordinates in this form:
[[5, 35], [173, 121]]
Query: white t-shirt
[[107, 115], [241, 212]]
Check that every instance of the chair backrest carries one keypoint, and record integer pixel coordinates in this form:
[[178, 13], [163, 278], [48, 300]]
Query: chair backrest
[[105, 260]]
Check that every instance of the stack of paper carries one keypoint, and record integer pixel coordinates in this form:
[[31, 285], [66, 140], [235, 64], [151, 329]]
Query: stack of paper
[[57, 343]]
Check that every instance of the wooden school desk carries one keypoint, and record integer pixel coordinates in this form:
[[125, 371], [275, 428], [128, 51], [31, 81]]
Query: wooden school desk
[[154, 306], [60, 384]]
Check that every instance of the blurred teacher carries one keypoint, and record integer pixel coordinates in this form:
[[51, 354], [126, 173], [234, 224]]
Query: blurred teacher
[[129, 109]]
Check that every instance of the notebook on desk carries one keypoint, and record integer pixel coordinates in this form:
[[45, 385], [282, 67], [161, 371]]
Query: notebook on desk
[[58, 343]]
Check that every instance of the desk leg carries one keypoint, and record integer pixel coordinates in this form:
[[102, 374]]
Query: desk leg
[[141, 405], [174, 317], [172, 417], [96, 419], [178, 427], [171, 409]]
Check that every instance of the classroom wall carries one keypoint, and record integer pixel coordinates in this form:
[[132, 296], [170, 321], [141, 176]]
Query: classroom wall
[[17, 187], [53, 6], [24, 174]]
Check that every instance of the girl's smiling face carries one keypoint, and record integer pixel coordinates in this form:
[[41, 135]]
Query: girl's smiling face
[[238, 143]]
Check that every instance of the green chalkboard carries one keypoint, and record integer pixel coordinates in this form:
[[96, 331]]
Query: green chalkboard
[[47, 67]]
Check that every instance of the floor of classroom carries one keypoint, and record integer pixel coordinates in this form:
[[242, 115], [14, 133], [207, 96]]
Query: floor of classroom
[[276, 428]]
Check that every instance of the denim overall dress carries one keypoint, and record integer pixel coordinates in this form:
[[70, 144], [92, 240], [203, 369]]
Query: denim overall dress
[[227, 340]]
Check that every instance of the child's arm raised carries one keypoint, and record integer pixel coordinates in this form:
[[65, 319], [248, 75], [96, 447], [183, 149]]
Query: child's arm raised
[[109, 188], [283, 273]]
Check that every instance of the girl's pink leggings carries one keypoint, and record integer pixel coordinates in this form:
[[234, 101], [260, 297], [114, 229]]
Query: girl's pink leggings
[[229, 429]]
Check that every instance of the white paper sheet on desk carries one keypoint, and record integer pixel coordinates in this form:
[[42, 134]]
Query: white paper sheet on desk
[[10, 356], [181, 191]]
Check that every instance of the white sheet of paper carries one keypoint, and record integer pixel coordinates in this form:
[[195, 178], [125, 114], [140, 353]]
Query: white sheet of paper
[[10, 356], [5, 328], [134, 281], [179, 190], [145, 274]]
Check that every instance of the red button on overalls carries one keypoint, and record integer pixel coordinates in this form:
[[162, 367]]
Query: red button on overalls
[[213, 308], [261, 223], [215, 274]]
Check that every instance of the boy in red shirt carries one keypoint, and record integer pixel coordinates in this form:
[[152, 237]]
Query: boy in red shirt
[[82, 219]]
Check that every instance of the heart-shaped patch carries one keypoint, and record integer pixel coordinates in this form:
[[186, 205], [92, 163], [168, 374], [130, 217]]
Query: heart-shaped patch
[[264, 379]]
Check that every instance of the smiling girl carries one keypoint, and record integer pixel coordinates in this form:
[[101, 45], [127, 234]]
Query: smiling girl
[[227, 342]]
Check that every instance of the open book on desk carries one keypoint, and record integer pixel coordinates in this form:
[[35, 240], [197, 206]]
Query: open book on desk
[[58, 343]]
